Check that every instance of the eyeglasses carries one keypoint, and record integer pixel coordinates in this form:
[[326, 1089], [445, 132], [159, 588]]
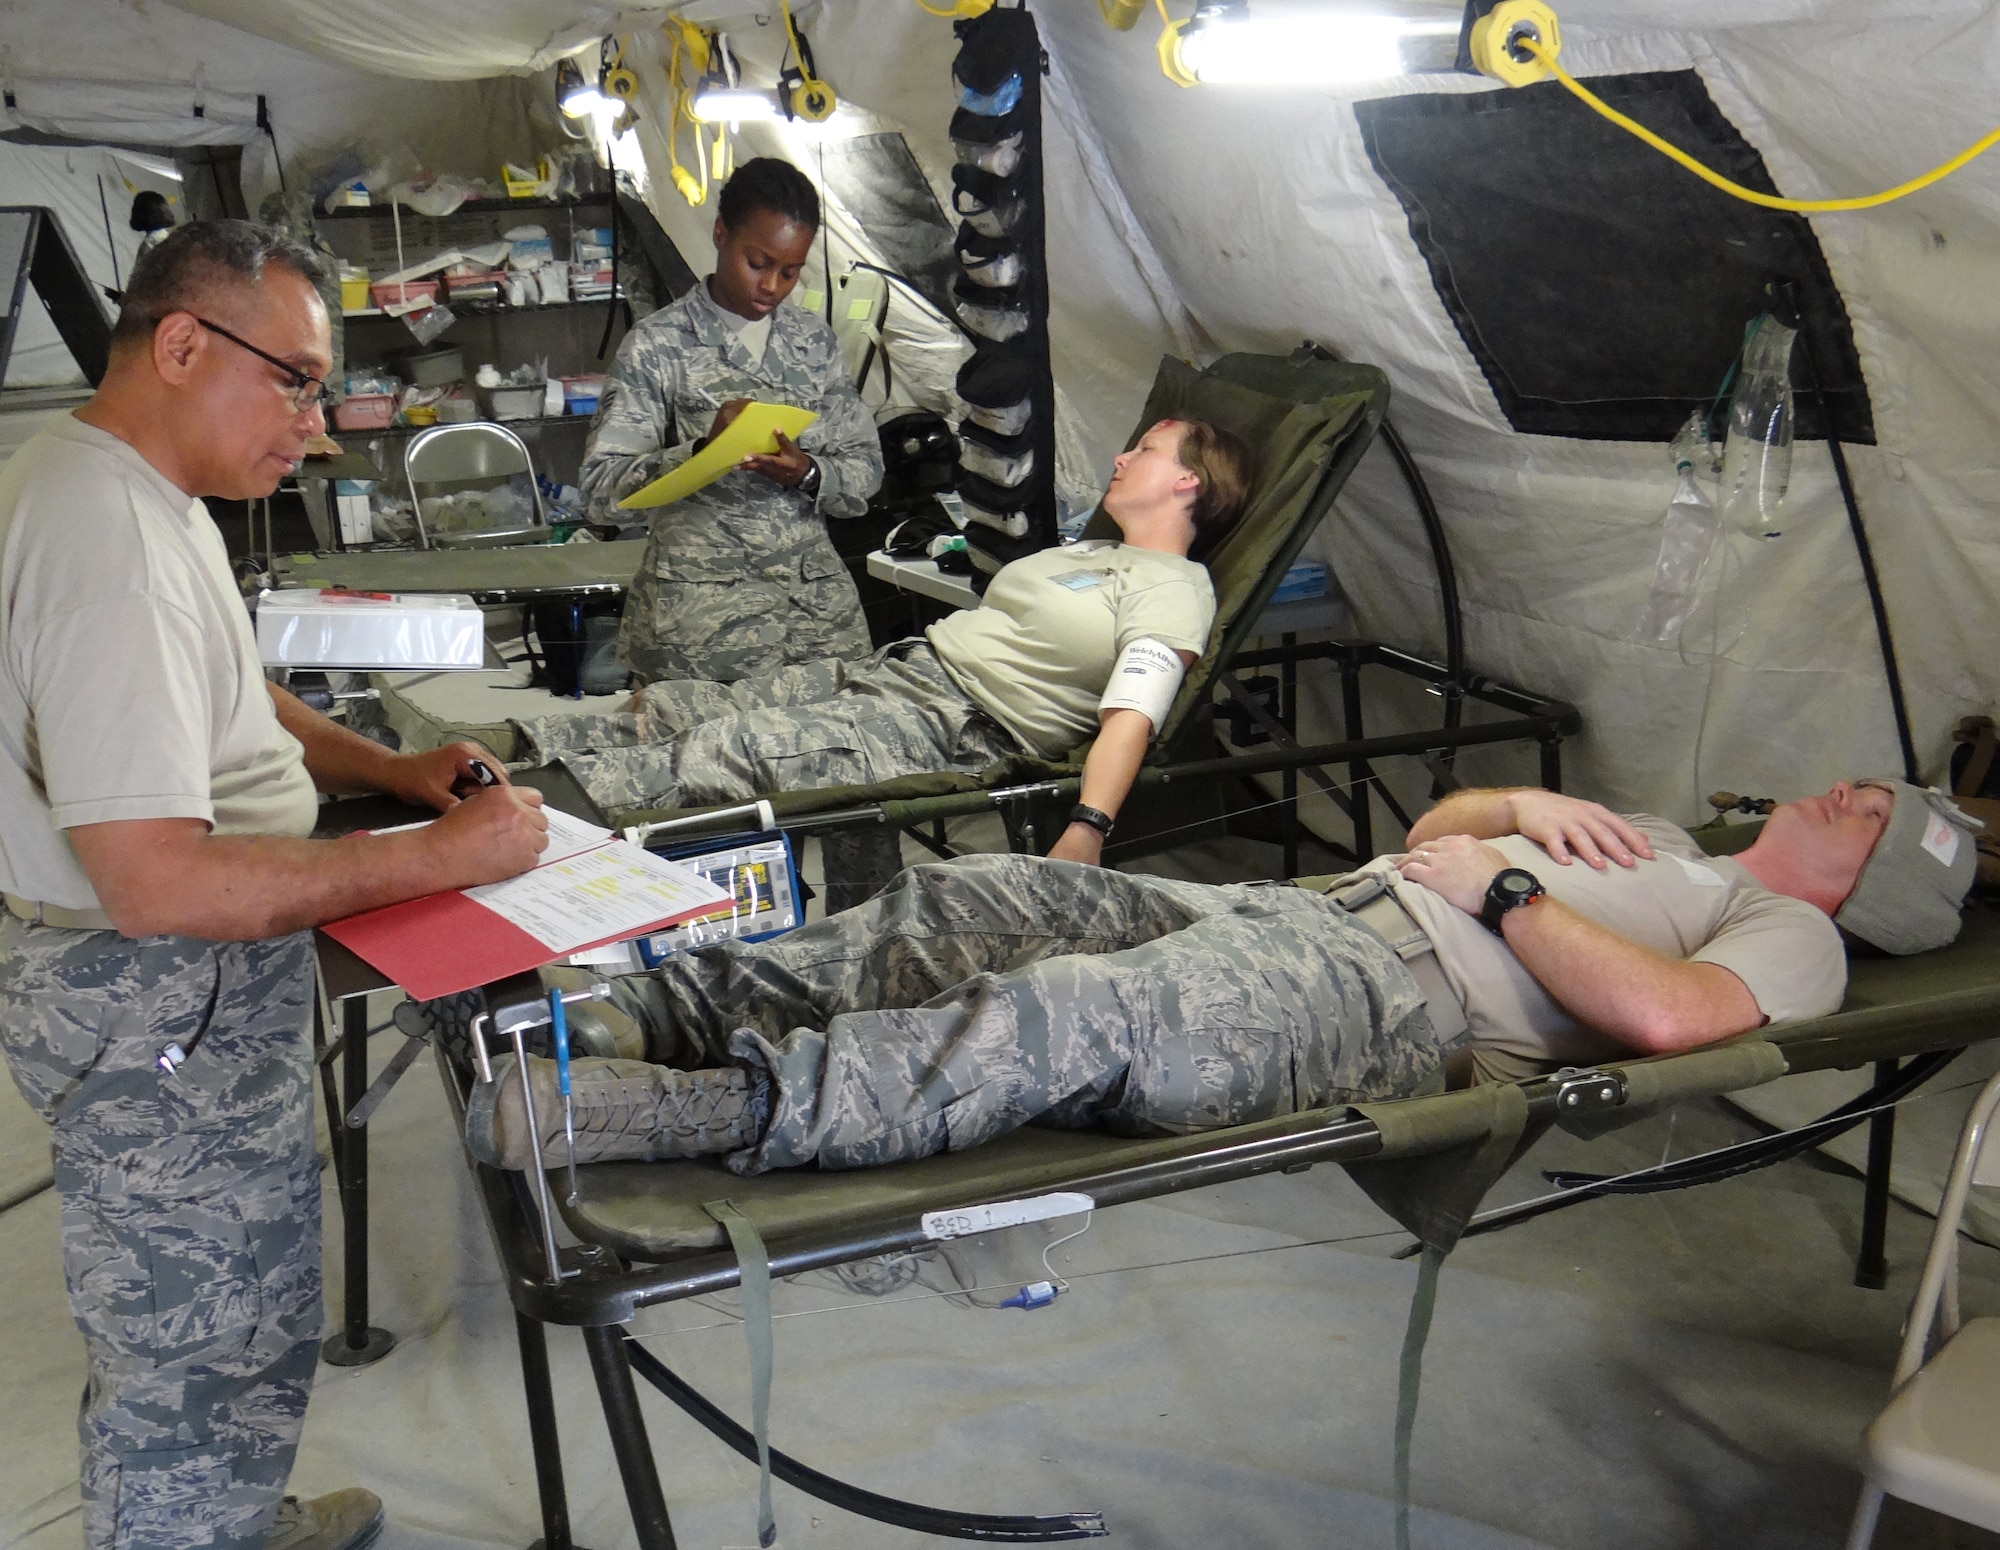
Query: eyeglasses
[[308, 392]]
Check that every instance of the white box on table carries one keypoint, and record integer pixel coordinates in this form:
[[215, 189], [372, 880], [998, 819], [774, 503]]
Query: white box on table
[[371, 631]]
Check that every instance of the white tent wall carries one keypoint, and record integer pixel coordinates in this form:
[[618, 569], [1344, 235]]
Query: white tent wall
[[1274, 227], [72, 180], [318, 106]]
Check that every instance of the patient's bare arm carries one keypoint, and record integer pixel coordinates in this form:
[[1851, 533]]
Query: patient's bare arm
[[1563, 826], [1108, 772], [1643, 1000]]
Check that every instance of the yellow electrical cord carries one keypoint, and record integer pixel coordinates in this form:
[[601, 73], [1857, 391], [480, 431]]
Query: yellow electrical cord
[[812, 99], [685, 38], [1750, 195], [965, 10]]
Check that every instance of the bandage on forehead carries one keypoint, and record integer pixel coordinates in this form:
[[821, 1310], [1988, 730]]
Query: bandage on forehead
[[1146, 678], [1907, 898]]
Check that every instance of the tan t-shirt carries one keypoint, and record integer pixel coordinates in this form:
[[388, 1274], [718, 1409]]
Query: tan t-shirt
[[129, 679], [1038, 651], [1681, 904]]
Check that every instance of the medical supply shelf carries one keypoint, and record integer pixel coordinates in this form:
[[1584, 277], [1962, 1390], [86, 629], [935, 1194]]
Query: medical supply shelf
[[411, 430], [480, 309], [571, 337], [470, 207]]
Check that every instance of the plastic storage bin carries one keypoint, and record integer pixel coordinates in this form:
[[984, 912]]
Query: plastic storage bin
[[517, 403], [394, 293], [365, 412]]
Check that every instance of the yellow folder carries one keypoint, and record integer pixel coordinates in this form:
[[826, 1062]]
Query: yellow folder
[[752, 432]]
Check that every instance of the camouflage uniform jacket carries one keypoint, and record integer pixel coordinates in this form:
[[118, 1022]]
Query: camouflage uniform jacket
[[674, 371]]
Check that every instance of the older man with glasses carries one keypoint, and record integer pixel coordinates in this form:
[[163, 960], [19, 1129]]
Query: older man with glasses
[[155, 952]]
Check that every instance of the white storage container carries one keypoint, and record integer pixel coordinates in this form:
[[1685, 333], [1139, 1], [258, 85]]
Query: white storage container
[[370, 631]]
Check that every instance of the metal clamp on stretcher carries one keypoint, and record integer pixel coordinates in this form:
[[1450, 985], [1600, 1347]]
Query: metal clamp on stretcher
[[512, 1023], [1374, 903]]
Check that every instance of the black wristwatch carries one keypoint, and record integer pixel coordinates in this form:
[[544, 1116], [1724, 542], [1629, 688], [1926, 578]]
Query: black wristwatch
[[1511, 888], [809, 485], [1100, 821]]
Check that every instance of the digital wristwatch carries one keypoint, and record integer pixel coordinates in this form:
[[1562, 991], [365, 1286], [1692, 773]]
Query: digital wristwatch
[[1511, 888]]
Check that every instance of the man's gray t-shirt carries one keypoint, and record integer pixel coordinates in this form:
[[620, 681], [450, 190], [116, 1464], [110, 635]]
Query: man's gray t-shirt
[[129, 681], [1682, 905]]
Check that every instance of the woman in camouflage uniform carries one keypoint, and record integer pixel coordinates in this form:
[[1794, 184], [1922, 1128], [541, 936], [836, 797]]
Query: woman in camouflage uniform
[[739, 578]]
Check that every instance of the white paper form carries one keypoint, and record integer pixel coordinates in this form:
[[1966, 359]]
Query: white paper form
[[615, 890], [567, 836]]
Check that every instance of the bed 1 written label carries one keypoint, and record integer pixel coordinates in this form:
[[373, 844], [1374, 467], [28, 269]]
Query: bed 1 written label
[[968, 1220]]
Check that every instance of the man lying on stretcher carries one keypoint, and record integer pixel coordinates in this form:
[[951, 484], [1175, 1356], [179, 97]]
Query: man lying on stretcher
[[978, 995]]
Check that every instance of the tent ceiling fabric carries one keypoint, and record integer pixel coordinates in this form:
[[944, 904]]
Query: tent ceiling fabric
[[131, 113], [429, 42]]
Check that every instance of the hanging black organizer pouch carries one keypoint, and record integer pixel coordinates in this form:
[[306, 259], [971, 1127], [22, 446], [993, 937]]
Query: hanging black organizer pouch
[[994, 49]]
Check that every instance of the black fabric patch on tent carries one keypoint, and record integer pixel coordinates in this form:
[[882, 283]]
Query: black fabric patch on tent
[[1603, 289], [879, 181]]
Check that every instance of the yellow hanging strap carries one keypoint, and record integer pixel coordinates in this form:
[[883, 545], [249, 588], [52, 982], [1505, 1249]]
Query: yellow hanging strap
[[1750, 195], [960, 10]]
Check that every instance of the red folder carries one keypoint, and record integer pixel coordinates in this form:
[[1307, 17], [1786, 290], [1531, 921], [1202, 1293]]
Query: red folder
[[446, 942]]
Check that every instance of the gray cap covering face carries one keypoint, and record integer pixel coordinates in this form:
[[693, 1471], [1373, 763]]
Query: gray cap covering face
[[1907, 897]]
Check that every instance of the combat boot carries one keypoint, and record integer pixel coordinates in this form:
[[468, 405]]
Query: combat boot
[[340, 1520], [625, 1110], [595, 1027]]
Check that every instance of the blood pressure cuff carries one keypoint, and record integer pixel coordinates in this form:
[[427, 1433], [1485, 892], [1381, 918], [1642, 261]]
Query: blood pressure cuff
[[1146, 679]]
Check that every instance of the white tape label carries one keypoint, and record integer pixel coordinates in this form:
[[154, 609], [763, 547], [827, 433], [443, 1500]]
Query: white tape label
[[1699, 875], [1941, 839], [970, 1220]]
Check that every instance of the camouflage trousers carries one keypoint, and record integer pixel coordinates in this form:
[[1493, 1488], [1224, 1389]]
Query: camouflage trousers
[[978, 995], [189, 1211], [828, 723], [740, 627]]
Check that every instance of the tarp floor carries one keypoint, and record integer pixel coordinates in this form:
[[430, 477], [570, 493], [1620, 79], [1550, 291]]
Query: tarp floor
[[1670, 1371]]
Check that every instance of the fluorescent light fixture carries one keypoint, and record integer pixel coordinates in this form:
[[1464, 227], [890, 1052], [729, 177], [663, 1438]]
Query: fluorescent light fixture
[[1232, 45], [733, 104], [574, 95]]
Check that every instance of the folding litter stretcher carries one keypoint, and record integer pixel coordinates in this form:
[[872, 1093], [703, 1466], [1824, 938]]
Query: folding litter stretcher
[[651, 1233], [1308, 420]]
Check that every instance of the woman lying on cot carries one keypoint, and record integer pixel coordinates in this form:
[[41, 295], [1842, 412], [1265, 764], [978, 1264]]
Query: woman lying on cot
[[1087, 639], [1523, 929]]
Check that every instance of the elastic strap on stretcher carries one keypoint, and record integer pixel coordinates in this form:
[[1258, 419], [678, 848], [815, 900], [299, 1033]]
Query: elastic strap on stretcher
[[753, 1264]]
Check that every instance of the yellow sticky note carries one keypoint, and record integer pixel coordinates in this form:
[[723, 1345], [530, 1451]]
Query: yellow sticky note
[[751, 433], [859, 308], [811, 299]]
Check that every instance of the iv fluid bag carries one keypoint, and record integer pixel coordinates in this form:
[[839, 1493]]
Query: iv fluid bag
[[1757, 459], [1686, 538]]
